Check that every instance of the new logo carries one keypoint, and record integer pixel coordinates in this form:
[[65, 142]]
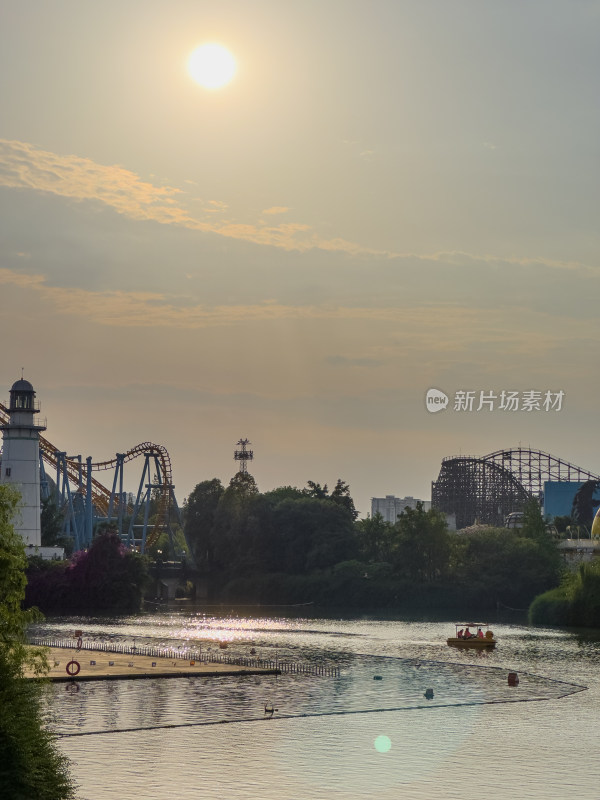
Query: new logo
[[435, 400]]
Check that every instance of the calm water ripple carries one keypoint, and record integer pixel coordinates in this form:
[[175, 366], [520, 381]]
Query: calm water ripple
[[322, 741]]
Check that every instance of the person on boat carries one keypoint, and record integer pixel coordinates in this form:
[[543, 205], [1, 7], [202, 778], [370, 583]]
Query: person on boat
[[467, 634], [479, 633], [460, 634]]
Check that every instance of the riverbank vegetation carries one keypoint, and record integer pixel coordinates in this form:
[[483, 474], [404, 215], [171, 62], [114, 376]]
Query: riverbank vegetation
[[30, 764], [295, 545], [106, 578], [575, 602]]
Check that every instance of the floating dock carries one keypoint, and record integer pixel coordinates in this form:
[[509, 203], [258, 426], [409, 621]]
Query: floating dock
[[92, 665]]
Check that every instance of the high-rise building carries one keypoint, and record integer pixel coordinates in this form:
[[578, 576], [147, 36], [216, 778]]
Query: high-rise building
[[390, 507]]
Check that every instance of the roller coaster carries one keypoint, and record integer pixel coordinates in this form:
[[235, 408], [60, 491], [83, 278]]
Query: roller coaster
[[488, 488], [85, 502]]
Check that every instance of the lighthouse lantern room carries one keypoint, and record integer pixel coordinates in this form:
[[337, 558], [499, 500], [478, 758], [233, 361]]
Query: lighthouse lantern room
[[21, 459]]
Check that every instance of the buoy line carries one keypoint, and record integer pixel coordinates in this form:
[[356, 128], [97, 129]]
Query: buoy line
[[428, 707]]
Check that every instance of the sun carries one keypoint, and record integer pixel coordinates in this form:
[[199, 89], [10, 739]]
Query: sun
[[212, 66]]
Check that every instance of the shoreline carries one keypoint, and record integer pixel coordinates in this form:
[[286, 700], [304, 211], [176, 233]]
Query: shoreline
[[102, 665]]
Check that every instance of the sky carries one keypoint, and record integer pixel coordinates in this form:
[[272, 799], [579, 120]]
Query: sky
[[390, 196]]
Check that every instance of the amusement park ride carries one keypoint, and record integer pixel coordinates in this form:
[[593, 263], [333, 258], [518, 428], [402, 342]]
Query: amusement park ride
[[489, 488], [87, 503]]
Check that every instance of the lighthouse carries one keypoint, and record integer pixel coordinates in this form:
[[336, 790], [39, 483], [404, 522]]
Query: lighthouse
[[21, 459]]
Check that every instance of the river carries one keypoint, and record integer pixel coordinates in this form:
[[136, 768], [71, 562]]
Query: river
[[369, 733]]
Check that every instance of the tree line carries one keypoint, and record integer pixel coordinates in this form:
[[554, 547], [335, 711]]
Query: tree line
[[292, 545]]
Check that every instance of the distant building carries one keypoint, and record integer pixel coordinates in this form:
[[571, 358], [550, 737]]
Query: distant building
[[390, 507]]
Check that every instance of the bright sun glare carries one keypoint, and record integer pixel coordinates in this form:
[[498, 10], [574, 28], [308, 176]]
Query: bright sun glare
[[211, 65]]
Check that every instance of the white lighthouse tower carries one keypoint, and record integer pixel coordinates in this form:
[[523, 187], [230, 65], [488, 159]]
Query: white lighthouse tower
[[21, 459]]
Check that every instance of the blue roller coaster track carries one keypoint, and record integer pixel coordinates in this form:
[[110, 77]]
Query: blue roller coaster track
[[87, 503]]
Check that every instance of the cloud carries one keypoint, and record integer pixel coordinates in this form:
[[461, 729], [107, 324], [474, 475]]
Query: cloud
[[276, 210], [446, 332], [24, 166], [454, 257], [216, 205], [343, 361]]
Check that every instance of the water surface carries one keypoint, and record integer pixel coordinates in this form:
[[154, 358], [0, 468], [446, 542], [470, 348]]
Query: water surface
[[346, 737]]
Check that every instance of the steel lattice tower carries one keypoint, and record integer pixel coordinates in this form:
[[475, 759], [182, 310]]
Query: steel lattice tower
[[243, 455]]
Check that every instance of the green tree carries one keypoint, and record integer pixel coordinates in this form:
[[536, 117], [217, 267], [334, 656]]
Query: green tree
[[341, 496], [536, 529], [575, 602], [316, 490], [107, 577], [199, 517], [30, 764], [421, 547], [313, 534], [534, 526], [52, 522], [497, 565], [584, 503], [243, 484], [237, 526], [375, 538], [284, 493]]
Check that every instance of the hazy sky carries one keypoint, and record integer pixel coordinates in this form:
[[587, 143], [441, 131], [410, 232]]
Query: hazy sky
[[389, 196]]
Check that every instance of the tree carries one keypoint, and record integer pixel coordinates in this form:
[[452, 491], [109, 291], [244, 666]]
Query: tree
[[243, 484], [52, 523], [422, 545], [534, 526], [107, 577], [500, 565], [375, 538], [316, 490], [199, 517], [575, 602], [313, 534], [30, 764], [284, 493], [584, 502], [240, 520], [341, 496]]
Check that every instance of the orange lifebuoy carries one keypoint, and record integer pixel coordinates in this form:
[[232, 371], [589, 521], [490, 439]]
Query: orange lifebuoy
[[73, 668]]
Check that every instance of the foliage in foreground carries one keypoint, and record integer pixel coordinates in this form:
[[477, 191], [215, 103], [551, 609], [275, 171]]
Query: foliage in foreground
[[30, 764]]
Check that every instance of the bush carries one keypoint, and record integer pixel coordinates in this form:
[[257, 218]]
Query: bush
[[107, 577], [551, 608], [576, 601]]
